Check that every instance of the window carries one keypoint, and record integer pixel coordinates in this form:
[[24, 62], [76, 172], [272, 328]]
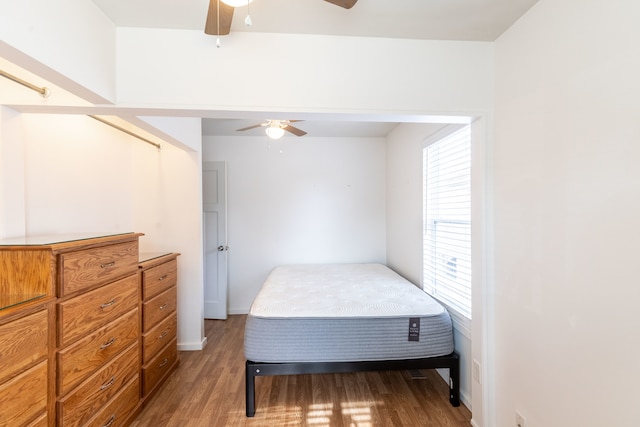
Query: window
[[447, 221]]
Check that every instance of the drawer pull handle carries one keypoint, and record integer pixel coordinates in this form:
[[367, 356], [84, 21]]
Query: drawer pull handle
[[108, 264], [161, 278], [108, 384], [163, 306], [108, 304], [107, 344], [163, 334], [164, 362], [111, 420]]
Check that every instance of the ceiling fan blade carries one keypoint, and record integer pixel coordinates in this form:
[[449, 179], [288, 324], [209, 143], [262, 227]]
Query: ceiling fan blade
[[250, 127], [347, 4], [294, 130], [226, 15]]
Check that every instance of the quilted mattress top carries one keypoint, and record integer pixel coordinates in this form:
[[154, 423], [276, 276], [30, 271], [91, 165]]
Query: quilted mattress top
[[340, 290]]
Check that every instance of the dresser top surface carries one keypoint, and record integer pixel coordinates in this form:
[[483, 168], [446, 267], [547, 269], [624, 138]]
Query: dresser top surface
[[148, 256], [55, 239]]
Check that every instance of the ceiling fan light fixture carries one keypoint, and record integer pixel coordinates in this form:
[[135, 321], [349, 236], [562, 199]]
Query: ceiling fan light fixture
[[277, 128], [274, 131], [236, 3]]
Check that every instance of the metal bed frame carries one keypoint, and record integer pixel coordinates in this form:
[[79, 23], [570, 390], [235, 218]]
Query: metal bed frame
[[259, 369]]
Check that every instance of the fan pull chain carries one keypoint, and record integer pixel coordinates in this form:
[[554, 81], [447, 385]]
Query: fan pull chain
[[218, 29], [247, 20]]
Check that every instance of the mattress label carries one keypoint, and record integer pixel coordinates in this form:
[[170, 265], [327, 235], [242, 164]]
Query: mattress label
[[414, 329]]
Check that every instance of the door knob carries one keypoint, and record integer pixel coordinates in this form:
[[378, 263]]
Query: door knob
[[223, 248]]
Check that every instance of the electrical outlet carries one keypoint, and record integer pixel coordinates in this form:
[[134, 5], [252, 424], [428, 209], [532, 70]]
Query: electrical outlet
[[519, 420], [477, 373]]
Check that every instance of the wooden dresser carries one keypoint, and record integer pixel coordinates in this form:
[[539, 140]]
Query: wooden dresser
[[26, 368], [71, 323], [98, 332], [159, 275], [27, 335]]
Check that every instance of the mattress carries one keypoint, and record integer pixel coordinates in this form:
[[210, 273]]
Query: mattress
[[344, 313]]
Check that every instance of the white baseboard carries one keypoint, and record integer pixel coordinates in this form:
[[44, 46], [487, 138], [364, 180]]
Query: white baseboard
[[465, 400], [238, 310], [193, 346], [473, 423]]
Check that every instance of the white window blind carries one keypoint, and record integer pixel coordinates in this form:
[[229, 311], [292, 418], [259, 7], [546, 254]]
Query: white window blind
[[447, 221]]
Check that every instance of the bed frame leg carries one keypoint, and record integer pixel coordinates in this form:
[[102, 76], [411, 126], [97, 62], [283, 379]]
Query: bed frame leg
[[250, 390], [454, 381]]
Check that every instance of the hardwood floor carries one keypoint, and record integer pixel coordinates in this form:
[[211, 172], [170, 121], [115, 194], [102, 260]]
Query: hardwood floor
[[207, 389]]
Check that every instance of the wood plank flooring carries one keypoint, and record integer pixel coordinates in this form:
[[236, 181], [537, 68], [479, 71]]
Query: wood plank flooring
[[207, 389]]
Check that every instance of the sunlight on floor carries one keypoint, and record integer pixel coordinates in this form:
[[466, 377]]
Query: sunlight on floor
[[358, 414], [320, 414]]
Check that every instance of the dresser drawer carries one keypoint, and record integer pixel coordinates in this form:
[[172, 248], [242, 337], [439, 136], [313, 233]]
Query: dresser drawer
[[117, 411], [41, 421], [159, 366], [87, 312], [24, 398], [78, 407], [91, 267], [157, 279], [159, 336], [22, 343], [157, 308], [81, 359]]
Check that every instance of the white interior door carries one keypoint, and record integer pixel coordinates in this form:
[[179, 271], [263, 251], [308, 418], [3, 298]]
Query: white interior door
[[214, 201]]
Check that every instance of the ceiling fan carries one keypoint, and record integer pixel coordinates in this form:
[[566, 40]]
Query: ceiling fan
[[220, 14], [275, 128]]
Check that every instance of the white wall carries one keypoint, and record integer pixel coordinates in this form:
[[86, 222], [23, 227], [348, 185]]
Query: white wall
[[12, 204], [320, 201], [185, 131], [310, 73], [70, 42], [77, 175], [566, 186]]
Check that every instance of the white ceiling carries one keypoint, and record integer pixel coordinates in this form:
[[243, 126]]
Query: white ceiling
[[470, 20], [416, 19], [312, 127]]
